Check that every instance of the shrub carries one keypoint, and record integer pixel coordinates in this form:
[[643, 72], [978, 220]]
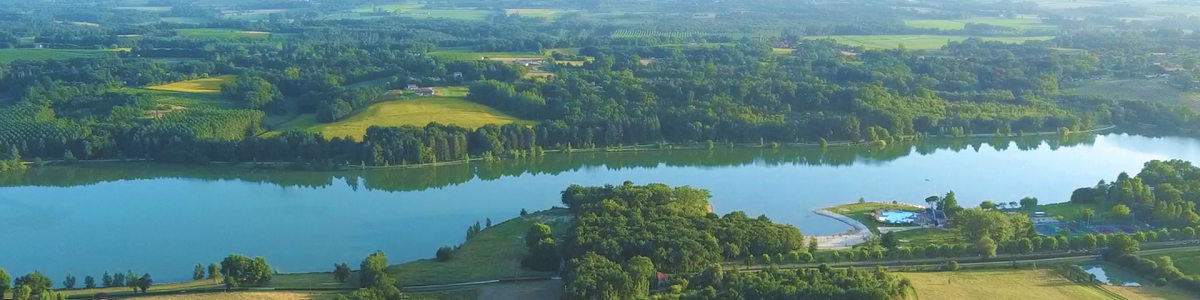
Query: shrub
[[444, 254]]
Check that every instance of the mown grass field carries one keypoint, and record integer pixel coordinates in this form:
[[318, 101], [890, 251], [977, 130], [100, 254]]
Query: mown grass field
[[1074, 211], [935, 24], [928, 236], [1138, 89], [10, 55], [211, 85], [492, 254], [222, 33], [1002, 285], [450, 107], [184, 20], [915, 42]]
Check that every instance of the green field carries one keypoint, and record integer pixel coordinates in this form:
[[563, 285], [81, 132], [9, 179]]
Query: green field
[[211, 85], [492, 254], [929, 236], [1138, 89], [419, 11], [1002, 285], [935, 24], [461, 55], [1068, 211], [450, 107], [861, 211], [185, 20], [222, 33], [1187, 262], [914, 42], [10, 55], [545, 13]]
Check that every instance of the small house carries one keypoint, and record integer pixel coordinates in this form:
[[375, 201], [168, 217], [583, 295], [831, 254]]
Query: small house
[[426, 91], [412, 87]]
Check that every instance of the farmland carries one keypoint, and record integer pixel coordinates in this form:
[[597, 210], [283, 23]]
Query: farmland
[[1002, 285], [211, 85], [222, 33], [1027, 22], [450, 108], [915, 42], [1137, 89], [544, 13], [419, 11], [1187, 262], [246, 296], [10, 55]]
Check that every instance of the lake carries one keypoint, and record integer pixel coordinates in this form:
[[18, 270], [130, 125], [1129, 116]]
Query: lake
[[165, 219]]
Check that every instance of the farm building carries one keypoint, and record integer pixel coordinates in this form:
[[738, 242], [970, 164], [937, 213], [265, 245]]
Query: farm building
[[426, 91]]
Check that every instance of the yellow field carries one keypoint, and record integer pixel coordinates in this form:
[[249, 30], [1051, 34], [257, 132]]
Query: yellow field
[[1002, 285], [1150, 293], [450, 108], [211, 85], [245, 296]]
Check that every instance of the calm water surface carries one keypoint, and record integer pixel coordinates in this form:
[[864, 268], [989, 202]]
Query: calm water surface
[[164, 219]]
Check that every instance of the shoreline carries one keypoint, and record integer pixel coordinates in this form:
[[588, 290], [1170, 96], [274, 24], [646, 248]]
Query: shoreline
[[633, 148], [857, 234]]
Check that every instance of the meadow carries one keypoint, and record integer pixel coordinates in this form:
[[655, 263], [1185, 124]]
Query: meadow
[[1003, 284], [419, 11], [1187, 262], [914, 42], [211, 85], [1137, 89], [494, 253], [222, 33], [10, 55], [1026, 22], [545, 13], [449, 107], [245, 296]]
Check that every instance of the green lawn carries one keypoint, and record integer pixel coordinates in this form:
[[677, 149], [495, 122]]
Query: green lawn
[[935, 24], [927, 236], [861, 211], [449, 107], [185, 20], [210, 85], [1137, 89], [1025, 22], [10, 55], [914, 42], [419, 11], [1187, 262], [545, 13], [492, 254], [1068, 211], [222, 33]]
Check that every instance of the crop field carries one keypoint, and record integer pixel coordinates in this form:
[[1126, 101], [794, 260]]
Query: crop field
[[10, 55], [546, 13], [450, 107], [222, 33], [915, 42], [1138, 89], [1002, 285], [935, 24], [146, 8], [637, 33], [211, 85]]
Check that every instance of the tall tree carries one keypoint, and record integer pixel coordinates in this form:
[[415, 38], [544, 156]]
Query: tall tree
[[69, 282], [1029, 203], [198, 272], [36, 282], [107, 279], [89, 282], [5, 282], [145, 282], [213, 270]]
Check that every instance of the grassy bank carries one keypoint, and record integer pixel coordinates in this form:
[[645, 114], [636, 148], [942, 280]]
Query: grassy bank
[[494, 253], [861, 212]]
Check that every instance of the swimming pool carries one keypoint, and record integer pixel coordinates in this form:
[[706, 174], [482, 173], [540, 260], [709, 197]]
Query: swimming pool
[[897, 217]]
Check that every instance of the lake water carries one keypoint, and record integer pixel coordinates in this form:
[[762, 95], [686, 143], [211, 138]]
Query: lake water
[[1113, 275], [164, 219]]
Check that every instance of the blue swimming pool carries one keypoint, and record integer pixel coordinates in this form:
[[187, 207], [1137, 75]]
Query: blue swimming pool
[[897, 217]]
